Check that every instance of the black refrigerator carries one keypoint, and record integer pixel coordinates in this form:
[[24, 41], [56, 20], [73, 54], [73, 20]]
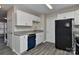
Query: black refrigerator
[[63, 34]]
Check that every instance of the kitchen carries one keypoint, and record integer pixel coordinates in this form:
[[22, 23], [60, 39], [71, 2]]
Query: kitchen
[[21, 31], [27, 29]]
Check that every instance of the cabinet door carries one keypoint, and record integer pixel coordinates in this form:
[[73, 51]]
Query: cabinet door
[[23, 18], [23, 45], [38, 19], [19, 19], [20, 44], [28, 18], [35, 18], [16, 44], [39, 38]]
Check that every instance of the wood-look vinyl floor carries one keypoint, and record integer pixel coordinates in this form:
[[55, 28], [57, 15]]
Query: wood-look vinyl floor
[[4, 50], [46, 49], [42, 49]]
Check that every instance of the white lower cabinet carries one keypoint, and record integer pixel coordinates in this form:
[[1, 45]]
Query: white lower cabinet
[[23, 43], [20, 44], [39, 38]]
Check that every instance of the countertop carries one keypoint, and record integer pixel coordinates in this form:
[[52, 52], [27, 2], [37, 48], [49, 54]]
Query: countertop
[[20, 33]]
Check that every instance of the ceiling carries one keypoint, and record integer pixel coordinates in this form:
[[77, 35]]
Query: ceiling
[[37, 9]]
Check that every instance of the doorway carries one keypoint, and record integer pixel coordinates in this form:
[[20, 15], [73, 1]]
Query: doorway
[[3, 31]]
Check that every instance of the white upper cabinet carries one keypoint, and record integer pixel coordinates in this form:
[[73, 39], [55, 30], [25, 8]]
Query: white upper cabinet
[[76, 17], [23, 18], [35, 18]]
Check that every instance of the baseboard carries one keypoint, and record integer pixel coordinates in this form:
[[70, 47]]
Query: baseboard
[[50, 42], [44, 41]]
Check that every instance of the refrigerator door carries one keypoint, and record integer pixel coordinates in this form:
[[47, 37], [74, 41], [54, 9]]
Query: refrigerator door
[[63, 34]]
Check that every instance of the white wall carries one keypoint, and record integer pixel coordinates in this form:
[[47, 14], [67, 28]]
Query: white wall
[[50, 28], [43, 25]]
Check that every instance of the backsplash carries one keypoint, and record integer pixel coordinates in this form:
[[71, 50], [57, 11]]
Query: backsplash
[[36, 26], [21, 28]]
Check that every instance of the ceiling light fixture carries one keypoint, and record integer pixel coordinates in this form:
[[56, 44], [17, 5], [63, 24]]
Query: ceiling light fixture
[[49, 6], [0, 6]]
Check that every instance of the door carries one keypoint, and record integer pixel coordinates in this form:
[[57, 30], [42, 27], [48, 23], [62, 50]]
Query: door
[[63, 34]]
